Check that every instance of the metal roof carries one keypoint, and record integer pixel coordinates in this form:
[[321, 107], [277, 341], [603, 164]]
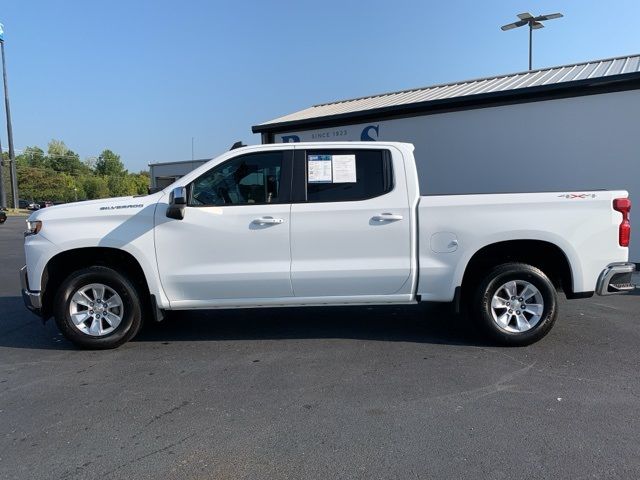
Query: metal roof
[[561, 76]]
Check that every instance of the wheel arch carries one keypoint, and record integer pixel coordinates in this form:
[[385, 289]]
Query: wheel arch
[[546, 256], [61, 265]]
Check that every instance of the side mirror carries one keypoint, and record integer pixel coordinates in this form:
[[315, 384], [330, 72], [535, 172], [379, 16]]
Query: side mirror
[[177, 203]]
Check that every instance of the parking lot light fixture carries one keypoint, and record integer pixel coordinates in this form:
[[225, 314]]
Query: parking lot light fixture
[[3, 195], [534, 23]]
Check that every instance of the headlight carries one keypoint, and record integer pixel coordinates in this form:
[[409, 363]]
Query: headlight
[[33, 227]]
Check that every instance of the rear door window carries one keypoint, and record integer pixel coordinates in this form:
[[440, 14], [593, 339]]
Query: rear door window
[[347, 175]]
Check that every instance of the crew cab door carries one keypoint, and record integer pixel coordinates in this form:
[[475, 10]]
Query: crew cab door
[[350, 224], [233, 242]]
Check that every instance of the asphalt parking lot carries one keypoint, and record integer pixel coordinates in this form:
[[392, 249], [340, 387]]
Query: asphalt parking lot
[[406, 393]]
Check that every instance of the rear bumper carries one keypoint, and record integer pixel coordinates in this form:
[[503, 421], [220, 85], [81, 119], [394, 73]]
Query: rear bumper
[[616, 278], [32, 300]]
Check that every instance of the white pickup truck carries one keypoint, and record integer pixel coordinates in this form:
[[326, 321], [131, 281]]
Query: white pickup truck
[[321, 224]]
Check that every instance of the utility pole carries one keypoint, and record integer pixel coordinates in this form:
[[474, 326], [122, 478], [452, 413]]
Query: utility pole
[[12, 155], [192, 157], [3, 195]]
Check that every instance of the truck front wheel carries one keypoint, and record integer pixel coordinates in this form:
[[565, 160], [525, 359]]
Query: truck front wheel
[[97, 308], [516, 304]]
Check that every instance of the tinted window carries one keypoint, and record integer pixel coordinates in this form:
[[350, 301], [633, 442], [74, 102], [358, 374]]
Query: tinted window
[[247, 180], [339, 175]]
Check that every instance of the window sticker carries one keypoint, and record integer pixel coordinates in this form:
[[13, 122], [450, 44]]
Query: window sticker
[[319, 169], [344, 169]]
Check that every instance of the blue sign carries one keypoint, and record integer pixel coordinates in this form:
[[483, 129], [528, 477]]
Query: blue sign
[[1, 32], [365, 136]]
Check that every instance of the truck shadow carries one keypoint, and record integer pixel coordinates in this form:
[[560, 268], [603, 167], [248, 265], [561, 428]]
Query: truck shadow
[[418, 324], [19, 328]]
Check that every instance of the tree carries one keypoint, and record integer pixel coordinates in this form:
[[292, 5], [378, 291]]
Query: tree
[[4, 164], [141, 182], [95, 187], [60, 175], [31, 157], [57, 148], [109, 164], [41, 184], [67, 188], [117, 185], [61, 159], [124, 185], [91, 163]]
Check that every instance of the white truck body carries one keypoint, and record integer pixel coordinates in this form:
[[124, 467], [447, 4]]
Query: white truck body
[[576, 144], [398, 247]]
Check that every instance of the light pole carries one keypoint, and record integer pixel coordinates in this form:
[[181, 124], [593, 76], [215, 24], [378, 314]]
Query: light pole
[[12, 155], [534, 24], [3, 195]]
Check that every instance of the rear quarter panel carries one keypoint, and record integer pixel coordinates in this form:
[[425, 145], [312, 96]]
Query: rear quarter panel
[[583, 225]]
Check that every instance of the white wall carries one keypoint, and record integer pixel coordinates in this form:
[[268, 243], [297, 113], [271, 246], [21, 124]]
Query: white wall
[[582, 143]]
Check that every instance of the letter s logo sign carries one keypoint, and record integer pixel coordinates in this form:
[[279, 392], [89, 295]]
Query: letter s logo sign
[[290, 139], [365, 136]]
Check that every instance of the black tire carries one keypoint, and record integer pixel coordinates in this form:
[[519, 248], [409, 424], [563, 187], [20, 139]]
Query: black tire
[[493, 281], [131, 318]]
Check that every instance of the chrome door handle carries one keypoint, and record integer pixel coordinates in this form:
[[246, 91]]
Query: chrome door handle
[[268, 221], [387, 217]]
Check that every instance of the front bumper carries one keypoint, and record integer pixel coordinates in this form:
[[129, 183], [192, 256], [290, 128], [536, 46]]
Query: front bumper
[[32, 300], [616, 278]]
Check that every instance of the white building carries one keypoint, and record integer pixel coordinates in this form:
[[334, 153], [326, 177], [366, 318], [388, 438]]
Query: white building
[[568, 129]]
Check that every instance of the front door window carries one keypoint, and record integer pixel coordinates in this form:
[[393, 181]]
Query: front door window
[[252, 179]]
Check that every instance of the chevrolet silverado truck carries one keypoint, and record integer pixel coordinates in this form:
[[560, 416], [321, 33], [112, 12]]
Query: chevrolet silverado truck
[[321, 224]]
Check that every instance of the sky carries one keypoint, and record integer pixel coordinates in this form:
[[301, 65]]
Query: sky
[[143, 77]]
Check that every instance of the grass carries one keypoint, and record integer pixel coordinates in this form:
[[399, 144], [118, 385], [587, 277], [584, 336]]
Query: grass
[[17, 212]]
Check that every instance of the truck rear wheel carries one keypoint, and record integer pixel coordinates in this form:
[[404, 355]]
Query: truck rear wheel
[[97, 308], [516, 304]]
